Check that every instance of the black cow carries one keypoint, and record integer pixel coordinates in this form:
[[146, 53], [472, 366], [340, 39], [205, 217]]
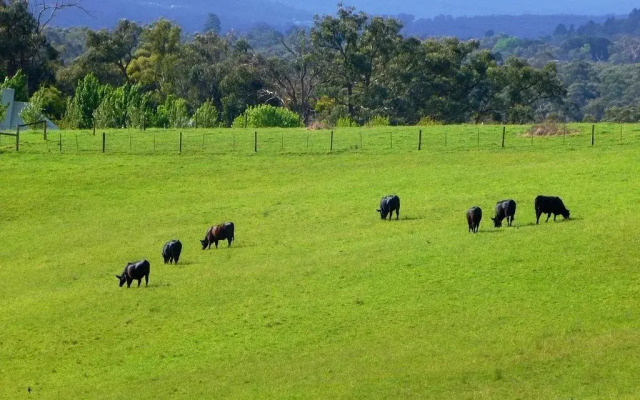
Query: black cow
[[135, 270], [504, 209], [474, 216], [171, 251], [550, 205], [218, 232], [388, 205]]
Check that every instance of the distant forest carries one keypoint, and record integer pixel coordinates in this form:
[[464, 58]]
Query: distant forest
[[348, 68]]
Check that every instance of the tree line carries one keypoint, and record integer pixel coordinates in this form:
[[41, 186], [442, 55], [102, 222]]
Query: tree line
[[347, 69]]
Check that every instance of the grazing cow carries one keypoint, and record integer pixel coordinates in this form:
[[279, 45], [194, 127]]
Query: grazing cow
[[135, 270], [171, 251], [504, 209], [218, 232], [474, 216], [388, 205], [550, 205]]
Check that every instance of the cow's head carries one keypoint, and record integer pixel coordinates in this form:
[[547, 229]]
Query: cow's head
[[122, 279], [383, 214], [204, 243], [565, 214], [496, 222]]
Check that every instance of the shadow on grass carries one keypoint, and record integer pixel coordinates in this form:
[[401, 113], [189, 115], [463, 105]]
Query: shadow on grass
[[412, 218]]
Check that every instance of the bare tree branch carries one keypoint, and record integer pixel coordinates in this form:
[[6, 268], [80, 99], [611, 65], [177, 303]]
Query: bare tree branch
[[45, 10]]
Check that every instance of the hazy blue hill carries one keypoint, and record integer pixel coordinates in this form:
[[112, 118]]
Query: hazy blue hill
[[439, 18], [191, 15], [429, 9], [525, 26]]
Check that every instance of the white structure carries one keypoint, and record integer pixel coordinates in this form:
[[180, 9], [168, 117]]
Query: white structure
[[12, 118]]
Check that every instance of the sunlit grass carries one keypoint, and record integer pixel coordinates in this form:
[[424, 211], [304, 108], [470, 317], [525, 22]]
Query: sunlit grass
[[317, 297]]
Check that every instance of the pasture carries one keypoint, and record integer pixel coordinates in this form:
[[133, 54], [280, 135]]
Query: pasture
[[318, 297]]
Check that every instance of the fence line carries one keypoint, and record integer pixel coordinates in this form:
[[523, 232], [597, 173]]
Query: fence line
[[231, 141]]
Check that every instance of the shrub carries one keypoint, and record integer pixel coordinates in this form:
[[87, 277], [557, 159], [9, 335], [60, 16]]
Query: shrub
[[345, 122], [267, 116], [173, 112], [31, 113], [379, 120], [206, 116], [18, 82], [428, 121], [51, 101]]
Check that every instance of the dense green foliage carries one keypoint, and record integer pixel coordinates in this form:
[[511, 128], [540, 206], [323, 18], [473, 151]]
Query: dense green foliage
[[348, 66], [266, 116], [317, 297]]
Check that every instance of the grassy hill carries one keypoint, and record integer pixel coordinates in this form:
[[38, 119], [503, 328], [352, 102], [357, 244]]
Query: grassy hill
[[317, 297]]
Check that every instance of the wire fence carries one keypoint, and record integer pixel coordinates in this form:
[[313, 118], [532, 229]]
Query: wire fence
[[303, 141]]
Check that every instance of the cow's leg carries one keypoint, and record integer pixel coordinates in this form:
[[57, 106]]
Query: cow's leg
[[129, 282], [548, 216], [554, 217], [146, 280], [398, 214], [229, 241]]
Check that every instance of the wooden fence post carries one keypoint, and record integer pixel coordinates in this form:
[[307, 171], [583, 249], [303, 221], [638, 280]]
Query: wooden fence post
[[593, 134], [503, 132], [45, 130], [60, 141], [255, 141], [391, 138], [331, 146], [104, 140], [18, 139], [94, 127], [420, 139], [180, 141]]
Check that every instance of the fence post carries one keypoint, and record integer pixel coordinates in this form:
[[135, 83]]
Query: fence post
[[60, 141], [45, 130], [180, 141], [307, 140], [94, 127], [331, 147], [203, 142], [255, 141], [503, 131], [420, 139], [18, 139], [154, 141], [593, 134], [144, 122], [104, 139], [391, 138]]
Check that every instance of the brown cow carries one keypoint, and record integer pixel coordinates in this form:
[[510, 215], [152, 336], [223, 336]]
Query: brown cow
[[218, 232]]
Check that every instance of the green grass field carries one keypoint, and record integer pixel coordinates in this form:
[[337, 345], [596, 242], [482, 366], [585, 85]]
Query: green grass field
[[317, 297]]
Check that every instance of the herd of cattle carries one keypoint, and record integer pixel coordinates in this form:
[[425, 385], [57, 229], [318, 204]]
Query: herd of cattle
[[225, 231], [507, 209], [171, 253]]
